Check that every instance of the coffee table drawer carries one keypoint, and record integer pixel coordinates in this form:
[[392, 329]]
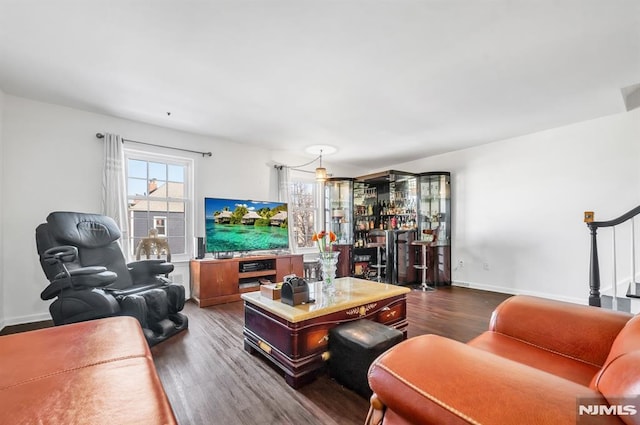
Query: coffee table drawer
[[392, 313]]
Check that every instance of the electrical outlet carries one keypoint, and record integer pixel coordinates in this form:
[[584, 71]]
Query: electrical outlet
[[485, 266], [460, 265]]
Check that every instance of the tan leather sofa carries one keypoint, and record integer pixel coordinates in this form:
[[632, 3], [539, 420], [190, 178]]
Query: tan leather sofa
[[95, 372], [540, 362]]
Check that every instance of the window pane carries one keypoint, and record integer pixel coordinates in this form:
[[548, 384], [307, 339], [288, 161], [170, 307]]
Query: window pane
[[304, 227], [137, 168], [157, 188], [176, 190], [137, 187], [157, 206], [176, 225], [303, 212], [157, 171], [142, 222], [176, 207], [176, 173], [176, 245]]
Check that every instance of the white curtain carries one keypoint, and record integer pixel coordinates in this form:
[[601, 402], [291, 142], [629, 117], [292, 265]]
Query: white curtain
[[284, 196], [114, 188]]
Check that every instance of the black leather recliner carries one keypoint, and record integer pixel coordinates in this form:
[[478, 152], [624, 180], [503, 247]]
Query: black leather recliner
[[88, 274]]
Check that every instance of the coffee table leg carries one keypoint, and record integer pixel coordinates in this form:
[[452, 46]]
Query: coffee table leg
[[248, 348], [292, 381], [297, 382]]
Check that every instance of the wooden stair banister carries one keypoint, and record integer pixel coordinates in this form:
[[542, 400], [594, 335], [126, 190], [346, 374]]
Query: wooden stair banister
[[594, 267]]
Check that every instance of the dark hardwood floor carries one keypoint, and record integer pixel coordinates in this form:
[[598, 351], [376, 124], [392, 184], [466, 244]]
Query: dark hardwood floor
[[14, 329], [210, 379]]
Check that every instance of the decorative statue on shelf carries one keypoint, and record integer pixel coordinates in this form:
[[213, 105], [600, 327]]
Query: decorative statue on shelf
[[153, 245]]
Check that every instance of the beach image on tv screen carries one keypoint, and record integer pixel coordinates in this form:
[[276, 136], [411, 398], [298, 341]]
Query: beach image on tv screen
[[245, 225]]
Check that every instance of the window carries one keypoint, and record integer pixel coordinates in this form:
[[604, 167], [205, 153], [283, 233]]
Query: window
[[160, 224], [159, 197], [303, 196]]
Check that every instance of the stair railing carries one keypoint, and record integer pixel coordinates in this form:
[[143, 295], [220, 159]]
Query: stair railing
[[594, 267]]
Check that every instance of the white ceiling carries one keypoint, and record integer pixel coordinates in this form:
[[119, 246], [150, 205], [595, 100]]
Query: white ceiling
[[385, 81]]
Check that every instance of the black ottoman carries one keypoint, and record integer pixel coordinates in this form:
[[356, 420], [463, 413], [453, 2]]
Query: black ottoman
[[353, 347]]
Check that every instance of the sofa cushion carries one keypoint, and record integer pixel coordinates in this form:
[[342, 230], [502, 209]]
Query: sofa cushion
[[560, 326], [573, 369], [433, 380], [93, 372], [627, 341], [619, 379], [619, 382]]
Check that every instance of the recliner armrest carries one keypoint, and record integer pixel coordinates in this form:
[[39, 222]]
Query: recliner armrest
[[82, 271], [578, 331], [145, 268], [434, 380], [80, 278]]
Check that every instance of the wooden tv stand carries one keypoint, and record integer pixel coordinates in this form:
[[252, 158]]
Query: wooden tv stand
[[221, 281]]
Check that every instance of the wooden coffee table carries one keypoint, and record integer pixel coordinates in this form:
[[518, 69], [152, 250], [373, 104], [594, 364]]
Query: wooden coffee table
[[296, 338]]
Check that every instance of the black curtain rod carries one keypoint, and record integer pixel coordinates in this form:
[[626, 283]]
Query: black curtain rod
[[101, 136]]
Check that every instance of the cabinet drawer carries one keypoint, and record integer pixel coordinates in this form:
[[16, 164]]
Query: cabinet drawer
[[314, 340], [391, 313]]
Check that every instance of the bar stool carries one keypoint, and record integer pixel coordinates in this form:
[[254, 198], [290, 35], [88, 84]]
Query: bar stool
[[378, 266], [424, 245], [311, 270]]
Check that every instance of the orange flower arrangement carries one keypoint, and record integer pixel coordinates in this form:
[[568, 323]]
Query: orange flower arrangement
[[325, 240]]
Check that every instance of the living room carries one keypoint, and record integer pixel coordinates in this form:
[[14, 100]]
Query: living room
[[518, 204], [517, 200]]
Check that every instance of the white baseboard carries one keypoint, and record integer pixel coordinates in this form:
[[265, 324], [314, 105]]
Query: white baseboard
[[512, 291], [19, 320]]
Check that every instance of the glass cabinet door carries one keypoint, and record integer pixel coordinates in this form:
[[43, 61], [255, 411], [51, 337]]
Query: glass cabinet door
[[339, 208], [434, 223], [435, 204], [402, 210], [386, 203], [365, 212]]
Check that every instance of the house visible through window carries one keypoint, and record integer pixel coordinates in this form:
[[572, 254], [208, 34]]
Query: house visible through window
[[160, 224], [159, 198]]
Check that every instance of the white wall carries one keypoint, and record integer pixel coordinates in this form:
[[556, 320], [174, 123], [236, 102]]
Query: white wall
[[53, 161], [2, 291], [518, 204]]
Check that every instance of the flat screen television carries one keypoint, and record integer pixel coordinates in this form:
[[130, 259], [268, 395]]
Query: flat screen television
[[241, 225]]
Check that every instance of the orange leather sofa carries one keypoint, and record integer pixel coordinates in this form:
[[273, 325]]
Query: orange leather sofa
[[540, 362], [95, 372]]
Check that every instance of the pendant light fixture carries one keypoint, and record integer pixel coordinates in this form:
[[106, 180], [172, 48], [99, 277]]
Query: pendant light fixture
[[321, 172]]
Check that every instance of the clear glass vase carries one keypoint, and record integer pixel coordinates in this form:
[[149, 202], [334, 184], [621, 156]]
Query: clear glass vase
[[328, 265]]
